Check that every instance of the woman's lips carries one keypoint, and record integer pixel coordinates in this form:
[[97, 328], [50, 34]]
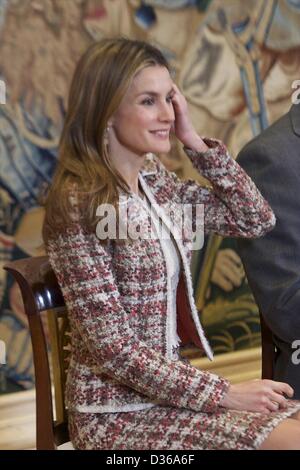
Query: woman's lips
[[161, 134]]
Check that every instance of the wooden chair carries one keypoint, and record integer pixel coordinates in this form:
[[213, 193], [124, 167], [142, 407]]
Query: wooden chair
[[268, 350], [41, 292]]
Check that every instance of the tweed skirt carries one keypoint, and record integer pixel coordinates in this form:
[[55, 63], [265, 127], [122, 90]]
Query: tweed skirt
[[168, 428]]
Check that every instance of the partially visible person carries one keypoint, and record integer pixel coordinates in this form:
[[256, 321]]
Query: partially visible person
[[130, 300], [272, 263]]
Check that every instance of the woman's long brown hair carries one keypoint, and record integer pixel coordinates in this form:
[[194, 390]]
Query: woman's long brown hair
[[100, 81]]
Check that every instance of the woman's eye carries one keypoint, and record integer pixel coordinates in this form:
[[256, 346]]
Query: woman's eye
[[148, 101]]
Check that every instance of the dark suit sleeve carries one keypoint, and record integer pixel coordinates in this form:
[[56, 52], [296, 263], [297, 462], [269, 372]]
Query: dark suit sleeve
[[272, 263]]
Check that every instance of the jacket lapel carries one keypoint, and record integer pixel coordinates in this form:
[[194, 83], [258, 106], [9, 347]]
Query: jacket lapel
[[189, 323]]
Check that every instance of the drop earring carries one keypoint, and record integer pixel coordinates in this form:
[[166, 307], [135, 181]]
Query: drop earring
[[105, 139]]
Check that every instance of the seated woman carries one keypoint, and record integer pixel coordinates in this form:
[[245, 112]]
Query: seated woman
[[128, 288]]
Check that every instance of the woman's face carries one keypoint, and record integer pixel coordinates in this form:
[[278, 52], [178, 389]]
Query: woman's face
[[143, 120]]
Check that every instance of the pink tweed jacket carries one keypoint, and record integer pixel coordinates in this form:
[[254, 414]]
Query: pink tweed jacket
[[118, 295]]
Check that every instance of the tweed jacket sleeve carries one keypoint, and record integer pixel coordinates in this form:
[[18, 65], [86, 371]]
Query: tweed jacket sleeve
[[233, 206], [84, 270]]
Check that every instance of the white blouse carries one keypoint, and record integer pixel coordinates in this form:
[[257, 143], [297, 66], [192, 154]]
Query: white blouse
[[172, 259]]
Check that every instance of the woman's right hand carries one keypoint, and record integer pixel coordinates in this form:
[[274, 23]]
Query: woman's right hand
[[262, 396]]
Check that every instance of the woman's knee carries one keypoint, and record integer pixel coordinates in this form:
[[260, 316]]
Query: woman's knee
[[286, 436], [296, 416]]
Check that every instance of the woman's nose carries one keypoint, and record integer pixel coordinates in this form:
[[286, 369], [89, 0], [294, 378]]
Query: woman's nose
[[166, 112]]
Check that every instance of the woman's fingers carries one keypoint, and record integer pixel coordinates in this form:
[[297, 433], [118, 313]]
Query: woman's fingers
[[273, 406], [277, 393], [176, 89], [278, 399], [179, 100], [280, 387], [183, 126], [286, 389], [263, 396]]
